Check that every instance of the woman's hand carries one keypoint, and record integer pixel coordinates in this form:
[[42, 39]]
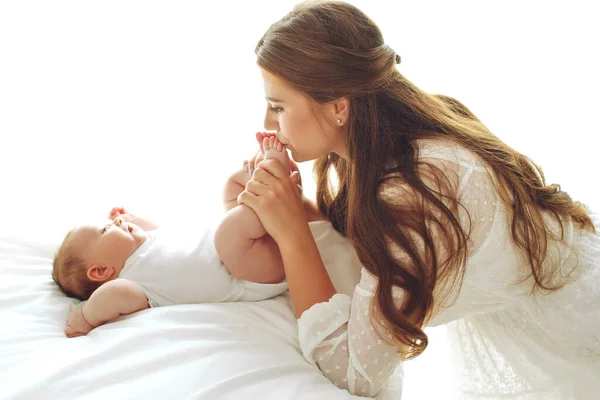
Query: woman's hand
[[276, 198], [250, 165]]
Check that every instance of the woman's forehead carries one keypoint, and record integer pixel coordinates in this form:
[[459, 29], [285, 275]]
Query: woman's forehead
[[276, 86]]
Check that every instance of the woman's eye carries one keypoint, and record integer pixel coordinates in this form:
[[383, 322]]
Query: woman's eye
[[276, 109]]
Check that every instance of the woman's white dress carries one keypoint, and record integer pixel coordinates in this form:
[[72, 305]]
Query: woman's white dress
[[507, 343]]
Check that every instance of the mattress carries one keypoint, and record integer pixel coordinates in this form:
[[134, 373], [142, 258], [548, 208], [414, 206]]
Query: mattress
[[201, 351]]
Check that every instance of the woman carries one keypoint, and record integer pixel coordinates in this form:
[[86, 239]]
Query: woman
[[450, 224]]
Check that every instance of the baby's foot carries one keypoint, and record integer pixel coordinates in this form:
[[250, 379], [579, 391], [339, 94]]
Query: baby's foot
[[260, 137], [273, 149]]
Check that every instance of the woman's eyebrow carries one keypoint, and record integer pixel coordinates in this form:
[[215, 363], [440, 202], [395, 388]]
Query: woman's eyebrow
[[274, 100]]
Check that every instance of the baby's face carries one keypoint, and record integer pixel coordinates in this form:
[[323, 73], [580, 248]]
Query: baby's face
[[109, 244]]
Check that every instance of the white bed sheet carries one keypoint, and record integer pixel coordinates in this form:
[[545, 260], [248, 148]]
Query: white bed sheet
[[207, 351]]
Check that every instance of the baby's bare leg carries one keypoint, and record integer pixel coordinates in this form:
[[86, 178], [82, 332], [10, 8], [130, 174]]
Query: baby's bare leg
[[235, 185], [248, 253], [245, 248]]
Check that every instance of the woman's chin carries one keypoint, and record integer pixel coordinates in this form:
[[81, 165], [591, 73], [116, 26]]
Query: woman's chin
[[297, 157]]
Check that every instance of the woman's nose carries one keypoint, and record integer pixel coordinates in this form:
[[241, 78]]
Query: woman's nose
[[118, 221], [270, 124]]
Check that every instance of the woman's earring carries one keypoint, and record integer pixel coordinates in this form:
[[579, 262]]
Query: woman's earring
[[339, 121]]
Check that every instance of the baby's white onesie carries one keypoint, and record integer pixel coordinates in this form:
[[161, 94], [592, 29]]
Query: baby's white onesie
[[183, 268]]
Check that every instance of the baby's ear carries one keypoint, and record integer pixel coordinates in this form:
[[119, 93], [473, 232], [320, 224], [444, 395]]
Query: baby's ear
[[99, 273]]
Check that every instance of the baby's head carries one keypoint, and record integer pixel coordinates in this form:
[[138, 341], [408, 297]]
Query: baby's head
[[92, 255]]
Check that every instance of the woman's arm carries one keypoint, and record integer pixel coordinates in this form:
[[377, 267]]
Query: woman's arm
[[273, 194], [342, 339], [335, 330], [308, 280], [108, 302]]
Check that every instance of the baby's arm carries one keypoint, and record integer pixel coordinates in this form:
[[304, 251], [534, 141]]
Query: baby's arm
[[143, 223], [108, 302]]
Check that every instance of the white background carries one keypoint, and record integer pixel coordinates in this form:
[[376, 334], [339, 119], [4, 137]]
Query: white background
[[152, 104]]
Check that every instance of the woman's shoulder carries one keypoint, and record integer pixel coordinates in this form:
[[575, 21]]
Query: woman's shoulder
[[448, 150]]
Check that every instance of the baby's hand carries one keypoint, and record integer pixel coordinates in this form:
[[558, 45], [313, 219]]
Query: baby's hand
[[76, 324], [120, 212]]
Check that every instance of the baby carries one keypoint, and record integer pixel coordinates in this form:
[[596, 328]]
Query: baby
[[128, 264]]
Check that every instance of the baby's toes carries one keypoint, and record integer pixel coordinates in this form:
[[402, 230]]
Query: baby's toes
[[266, 144], [260, 138]]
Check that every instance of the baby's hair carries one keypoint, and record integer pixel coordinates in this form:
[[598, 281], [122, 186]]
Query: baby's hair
[[70, 272]]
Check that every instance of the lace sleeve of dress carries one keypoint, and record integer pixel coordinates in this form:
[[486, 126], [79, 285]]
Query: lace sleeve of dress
[[339, 338]]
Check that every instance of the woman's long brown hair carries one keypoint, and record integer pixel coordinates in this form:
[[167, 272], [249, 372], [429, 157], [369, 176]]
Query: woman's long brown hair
[[330, 50]]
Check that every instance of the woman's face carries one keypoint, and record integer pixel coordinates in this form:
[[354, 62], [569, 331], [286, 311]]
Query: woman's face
[[306, 131]]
